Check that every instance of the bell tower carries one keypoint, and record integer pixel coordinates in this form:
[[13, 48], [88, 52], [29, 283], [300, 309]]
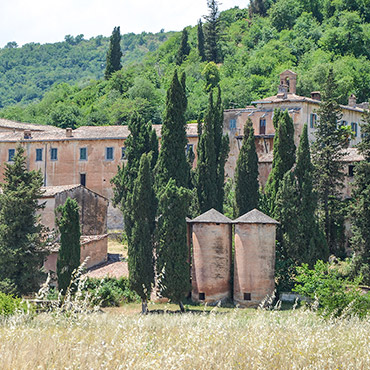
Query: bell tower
[[288, 79]]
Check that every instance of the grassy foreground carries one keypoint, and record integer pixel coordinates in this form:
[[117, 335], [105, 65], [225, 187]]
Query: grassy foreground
[[220, 339]]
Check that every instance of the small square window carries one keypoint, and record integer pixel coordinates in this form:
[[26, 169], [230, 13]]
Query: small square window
[[123, 153], [202, 296], [109, 153], [38, 155], [83, 154], [247, 296], [11, 154], [54, 154], [189, 148], [351, 169], [232, 124], [354, 128], [313, 120]]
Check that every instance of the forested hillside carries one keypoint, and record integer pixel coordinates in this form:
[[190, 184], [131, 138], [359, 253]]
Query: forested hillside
[[255, 45], [27, 72]]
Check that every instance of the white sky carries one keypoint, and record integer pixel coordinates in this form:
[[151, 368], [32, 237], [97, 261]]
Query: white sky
[[43, 21]]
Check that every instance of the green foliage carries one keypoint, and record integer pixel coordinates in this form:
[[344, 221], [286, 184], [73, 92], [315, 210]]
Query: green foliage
[[22, 251], [337, 295], [211, 75], [173, 265], [70, 249], [10, 305], [246, 174], [114, 54], [284, 155], [184, 48], [110, 292], [212, 33], [284, 13], [200, 35], [142, 205]]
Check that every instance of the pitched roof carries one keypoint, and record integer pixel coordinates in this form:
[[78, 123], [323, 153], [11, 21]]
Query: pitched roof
[[51, 191], [15, 125], [212, 216], [255, 217]]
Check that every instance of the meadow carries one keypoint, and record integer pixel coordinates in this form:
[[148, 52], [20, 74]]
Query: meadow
[[215, 338]]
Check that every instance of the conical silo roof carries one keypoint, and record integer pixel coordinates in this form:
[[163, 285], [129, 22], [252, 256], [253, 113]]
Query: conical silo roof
[[255, 217], [212, 216]]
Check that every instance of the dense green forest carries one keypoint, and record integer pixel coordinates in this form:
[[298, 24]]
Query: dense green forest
[[255, 45]]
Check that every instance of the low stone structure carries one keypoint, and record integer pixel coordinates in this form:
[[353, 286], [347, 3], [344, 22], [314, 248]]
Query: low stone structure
[[254, 260], [211, 258]]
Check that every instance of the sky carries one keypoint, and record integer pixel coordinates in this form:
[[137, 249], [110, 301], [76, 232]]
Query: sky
[[43, 21]]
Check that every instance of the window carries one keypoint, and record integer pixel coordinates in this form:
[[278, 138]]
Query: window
[[83, 179], [189, 148], [351, 168], [53, 154], [342, 123], [202, 296], [232, 124], [313, 117], [262, 126], [11, 154], [38, 155], [83, 154], [247, 296], [109, 153], [123, 153], [354, 128]]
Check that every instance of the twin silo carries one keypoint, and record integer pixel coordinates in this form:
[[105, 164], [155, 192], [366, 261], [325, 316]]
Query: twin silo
[[254, 257]]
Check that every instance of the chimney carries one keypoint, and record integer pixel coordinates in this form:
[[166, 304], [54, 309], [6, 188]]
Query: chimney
[[316, 95], [68, 132], [27, 134], [352, 100]]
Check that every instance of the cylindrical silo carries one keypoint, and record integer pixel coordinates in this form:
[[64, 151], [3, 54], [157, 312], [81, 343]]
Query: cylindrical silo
[[254, 262], [211, 257]]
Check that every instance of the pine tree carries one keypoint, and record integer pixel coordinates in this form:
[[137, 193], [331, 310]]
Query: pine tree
[[70, 248], [258, 7], [114, 54], [22, 251], [327, 154], [172, 250], [284, 155], [143, 206], [212, 33], [172, 162], [360, 211], [201, 41], [184, 48], [212, 151], [246, 174]]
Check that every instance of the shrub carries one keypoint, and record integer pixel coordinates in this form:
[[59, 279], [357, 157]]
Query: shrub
[[337, 295], [111, 291], [10, 305]]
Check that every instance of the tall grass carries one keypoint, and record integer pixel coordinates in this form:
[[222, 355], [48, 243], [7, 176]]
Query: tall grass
[[233, 340]]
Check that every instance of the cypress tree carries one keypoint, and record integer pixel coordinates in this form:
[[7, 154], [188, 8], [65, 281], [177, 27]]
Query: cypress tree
[[360, 210], [172, 162], [172, 250], [70, 249], [140, 245], [246, 174], [284, 155], [22, 251], [258, 7], [212, 33], [114, 54], [201, 41], [184, 48], [327, 154]]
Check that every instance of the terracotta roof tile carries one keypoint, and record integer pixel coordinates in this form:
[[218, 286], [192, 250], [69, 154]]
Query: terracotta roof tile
[[255, 217], [212, 216]]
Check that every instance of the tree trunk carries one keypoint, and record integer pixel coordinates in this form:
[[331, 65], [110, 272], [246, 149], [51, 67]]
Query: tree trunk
[[144, 306], [182, 308]]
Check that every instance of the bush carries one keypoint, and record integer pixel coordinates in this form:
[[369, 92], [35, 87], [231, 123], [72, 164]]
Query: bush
[[10, 305], [337, 295], [111, 291]]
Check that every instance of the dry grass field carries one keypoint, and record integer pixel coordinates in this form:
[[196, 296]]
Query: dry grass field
[[217, 339]]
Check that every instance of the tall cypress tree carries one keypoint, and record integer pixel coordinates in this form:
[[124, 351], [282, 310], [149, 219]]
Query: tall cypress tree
[[284, 155], [143, 206], [172, 251], [22, 251], [172, 162], [212, 33], [70, 249], [246, 174], [114, 54], [201, 41], [360, 211], [184, 48], [327, 154], [212, 150]]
